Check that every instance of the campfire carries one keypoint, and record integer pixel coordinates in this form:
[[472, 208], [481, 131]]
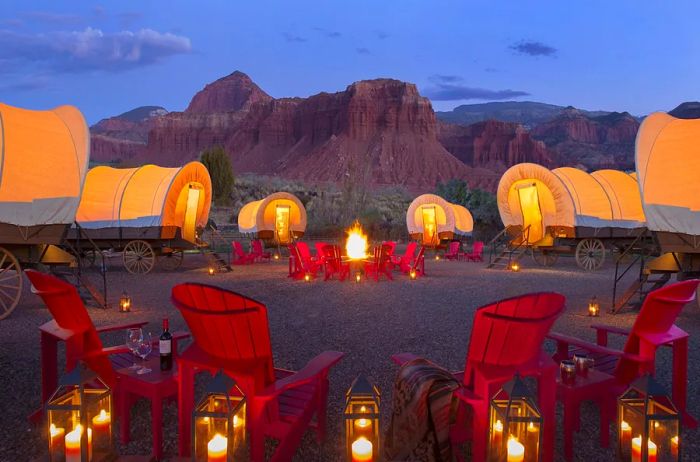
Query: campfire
[[356, 245]]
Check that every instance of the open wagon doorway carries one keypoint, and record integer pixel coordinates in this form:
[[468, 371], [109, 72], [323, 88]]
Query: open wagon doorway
[[531, 211], [429, 225], [190, 224], [282, 213]]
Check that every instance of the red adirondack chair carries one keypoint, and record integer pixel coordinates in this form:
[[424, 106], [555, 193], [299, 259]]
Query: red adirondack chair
[[258, 252], [417, 265], [333, 264], [240, 257], [391, 247], [477, 253], [319, 252], [653, 328], [402, 260], [300, 261], [506, 338], [380, 264], [453, 250], [231, 332], [73, 325]]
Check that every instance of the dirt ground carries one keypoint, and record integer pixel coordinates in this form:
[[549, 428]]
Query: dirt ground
[[368, 321]]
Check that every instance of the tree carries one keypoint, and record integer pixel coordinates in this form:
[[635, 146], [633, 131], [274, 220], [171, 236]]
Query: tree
[[218, 163]]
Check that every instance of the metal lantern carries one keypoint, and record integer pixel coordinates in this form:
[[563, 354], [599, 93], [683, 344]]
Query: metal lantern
[[515, 424], [211, 270], [362, 421], [594, 307], [124, 302], [81, 401], [514, 266], [218, 421], [649, 423]]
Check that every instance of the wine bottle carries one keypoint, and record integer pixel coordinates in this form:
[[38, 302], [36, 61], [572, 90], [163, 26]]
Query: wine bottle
[[166, 348]]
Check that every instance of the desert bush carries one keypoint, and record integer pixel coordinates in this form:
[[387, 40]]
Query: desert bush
[[218, 163], [482, 205]]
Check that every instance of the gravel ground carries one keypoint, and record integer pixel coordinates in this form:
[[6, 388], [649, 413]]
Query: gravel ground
[[369, 321]]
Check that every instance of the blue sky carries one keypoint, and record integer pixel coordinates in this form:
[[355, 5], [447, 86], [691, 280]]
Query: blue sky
[[109, 57]]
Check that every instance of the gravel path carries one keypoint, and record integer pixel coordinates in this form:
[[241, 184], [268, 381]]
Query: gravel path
[[369, 321]]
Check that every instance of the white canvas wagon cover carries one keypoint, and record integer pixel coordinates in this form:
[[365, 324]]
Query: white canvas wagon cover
[[44, 157]]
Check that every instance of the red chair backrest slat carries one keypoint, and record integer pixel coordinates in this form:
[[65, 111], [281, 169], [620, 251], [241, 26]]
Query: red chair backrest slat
[[257, 247], [510, 332], [68, 310], [478, 248], [410, 252], [391, 247], [304, 251], [319, 249], [226, 325], [454, 248], [238, 248]]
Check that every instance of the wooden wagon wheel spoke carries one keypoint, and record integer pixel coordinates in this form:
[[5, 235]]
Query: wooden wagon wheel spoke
[[11, 277], [138, 257]]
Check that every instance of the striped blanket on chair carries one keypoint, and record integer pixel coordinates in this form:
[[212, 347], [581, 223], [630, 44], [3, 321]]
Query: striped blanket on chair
[[422, 411]]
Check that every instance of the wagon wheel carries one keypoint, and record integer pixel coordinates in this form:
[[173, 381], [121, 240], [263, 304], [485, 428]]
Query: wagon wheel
[[138, 257], [544, 257], [10, 282], [171, 261], [590, 254]]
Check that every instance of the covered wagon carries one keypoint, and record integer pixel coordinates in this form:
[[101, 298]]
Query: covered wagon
[[145, 213], [44, 157], [567, 210], [280, 218], [430, 219]]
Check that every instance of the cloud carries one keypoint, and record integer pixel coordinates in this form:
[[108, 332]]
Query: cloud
[[52, 18], [381, 35], [363, 51], [28, 84], [12, 22], [328, 33], [91, 49], [533, 48], [454, 92], [293, 38], [441, 78]]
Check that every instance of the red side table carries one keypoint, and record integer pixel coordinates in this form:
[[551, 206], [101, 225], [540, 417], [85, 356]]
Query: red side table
[[594, 387], [154, 386]]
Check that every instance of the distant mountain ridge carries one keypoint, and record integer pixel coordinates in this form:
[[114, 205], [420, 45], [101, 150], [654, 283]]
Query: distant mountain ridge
[[527, 113]]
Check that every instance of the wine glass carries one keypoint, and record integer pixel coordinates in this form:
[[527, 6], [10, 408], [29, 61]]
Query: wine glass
[[143, 350], [134, 335]]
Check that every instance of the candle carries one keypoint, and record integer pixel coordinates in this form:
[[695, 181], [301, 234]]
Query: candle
[[625, 434], [72, 442], [674, 446], [637, 450], [533, 440], [216, 449], [498, 435], [100, 424], [56, 435], [516, 451], [362, 450]]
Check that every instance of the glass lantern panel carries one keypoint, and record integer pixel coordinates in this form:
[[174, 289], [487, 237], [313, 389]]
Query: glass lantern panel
[[219, 426], [631, 424]]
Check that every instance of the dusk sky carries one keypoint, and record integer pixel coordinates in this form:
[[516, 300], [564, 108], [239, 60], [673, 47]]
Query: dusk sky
[[109, 57]]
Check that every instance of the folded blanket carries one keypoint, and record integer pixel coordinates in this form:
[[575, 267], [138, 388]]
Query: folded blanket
[[422, 412]]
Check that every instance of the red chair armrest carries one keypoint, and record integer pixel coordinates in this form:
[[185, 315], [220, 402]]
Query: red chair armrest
[[402, 358], [314, 369], [53, 329], [113, 327], [566, 340]]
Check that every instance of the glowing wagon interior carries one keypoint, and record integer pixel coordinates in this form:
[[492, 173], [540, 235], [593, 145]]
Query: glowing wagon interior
[[554, 203], [431, 219], [145, 197], [280, 217]]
